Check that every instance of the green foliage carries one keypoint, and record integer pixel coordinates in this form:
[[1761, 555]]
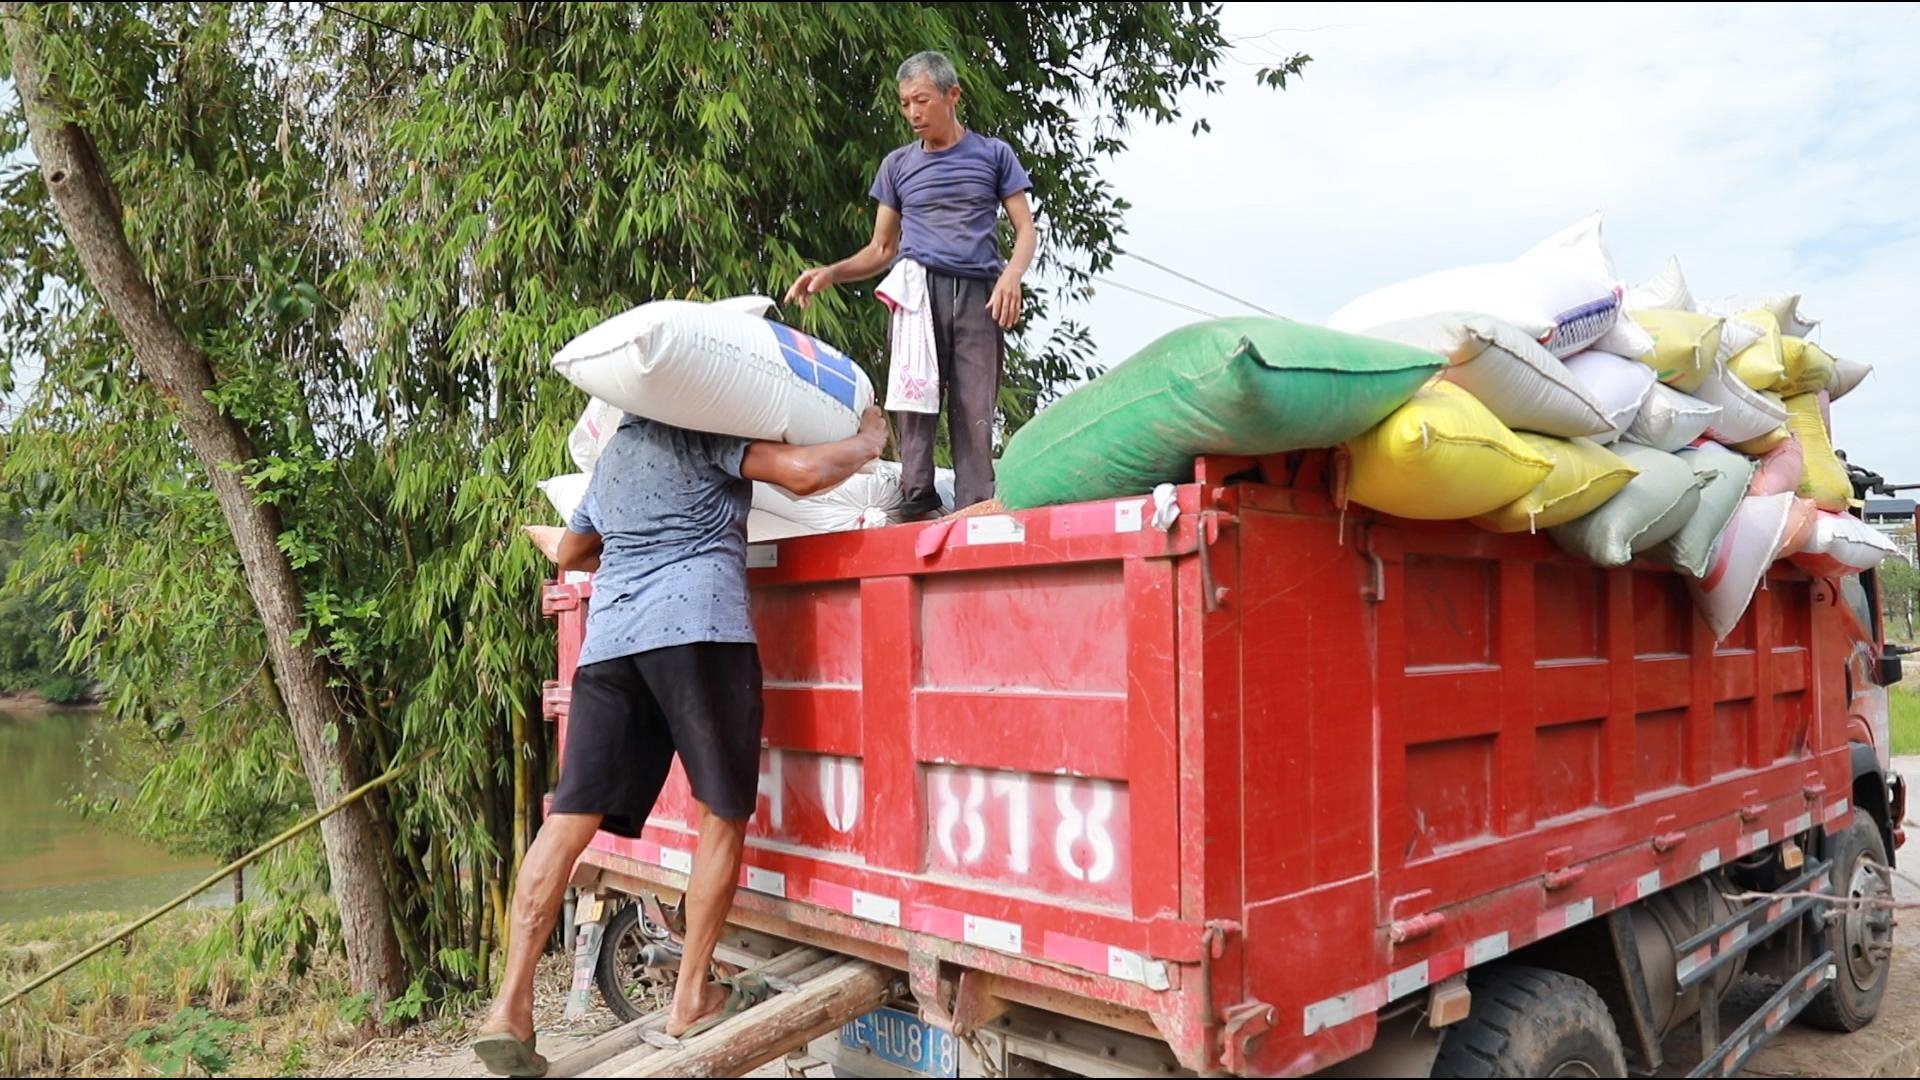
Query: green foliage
[[30, 649], [1904, 706], [190, 1035], [1900, 597], [379, 237]]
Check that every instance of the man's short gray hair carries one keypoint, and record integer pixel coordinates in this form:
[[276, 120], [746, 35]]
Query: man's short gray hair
[[934, 66]]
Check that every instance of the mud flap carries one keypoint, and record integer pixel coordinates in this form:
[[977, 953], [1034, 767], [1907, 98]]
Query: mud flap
[[590, 929]]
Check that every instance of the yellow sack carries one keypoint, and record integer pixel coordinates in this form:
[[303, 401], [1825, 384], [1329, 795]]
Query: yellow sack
[[1761, 365], [1824, 478], [1585, 475], [1443, 456], [1809, 368], [1685, 346]]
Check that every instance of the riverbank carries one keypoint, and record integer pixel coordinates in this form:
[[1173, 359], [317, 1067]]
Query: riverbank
[[32, 701], [187, 986], [192, 988]]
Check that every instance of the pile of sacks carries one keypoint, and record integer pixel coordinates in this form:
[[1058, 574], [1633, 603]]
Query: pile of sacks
[[1623, 422], [724, 367]]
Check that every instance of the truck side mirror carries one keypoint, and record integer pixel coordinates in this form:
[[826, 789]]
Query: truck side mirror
[[1890, 669]]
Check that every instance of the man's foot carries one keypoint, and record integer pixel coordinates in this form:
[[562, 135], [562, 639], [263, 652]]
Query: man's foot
[[720, 1002], [506, 1052]]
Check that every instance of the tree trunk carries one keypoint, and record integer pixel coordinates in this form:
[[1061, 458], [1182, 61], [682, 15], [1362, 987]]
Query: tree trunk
[[90, 213]]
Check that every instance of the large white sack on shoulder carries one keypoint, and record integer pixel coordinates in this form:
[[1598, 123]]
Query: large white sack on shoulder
[[1848, 374], [1728, 474], [1647, 513], [1745, 413], [1526, 387], [1665, 291], [565, 492], [1671, 420], [591, 433], [1784, 306], [1620, 386], [717, 368], [1561, 293], [1740, 560]]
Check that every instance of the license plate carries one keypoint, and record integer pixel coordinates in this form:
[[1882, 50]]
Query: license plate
[[904, 1041]]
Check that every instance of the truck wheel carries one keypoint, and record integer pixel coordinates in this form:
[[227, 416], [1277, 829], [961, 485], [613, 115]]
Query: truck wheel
[[1530, 1022], [1861, 938], [630, 988]]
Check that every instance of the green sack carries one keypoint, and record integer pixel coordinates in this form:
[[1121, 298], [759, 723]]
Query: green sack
[[1245, 386]]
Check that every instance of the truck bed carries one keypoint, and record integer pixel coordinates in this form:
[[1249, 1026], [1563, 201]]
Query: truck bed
[[1240, 783]]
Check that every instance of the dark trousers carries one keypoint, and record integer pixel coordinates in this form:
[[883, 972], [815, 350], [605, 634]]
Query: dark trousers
[[972, 352]]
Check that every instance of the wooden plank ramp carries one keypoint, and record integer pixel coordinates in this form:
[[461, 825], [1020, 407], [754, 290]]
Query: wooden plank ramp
[[815, 992]]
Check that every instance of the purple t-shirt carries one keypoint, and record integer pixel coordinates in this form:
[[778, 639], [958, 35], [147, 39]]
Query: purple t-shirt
[[949, 202]]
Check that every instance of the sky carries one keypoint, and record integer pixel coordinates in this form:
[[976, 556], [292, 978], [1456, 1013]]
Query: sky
[[1769, 148]]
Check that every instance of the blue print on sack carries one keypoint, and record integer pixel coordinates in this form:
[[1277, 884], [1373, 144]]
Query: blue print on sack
[[817, 362]]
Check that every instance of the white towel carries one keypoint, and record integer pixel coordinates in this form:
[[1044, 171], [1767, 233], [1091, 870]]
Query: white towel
[[913, 377]]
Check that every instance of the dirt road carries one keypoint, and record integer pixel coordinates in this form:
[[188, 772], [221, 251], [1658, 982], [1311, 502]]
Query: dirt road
[[1891, 1047]]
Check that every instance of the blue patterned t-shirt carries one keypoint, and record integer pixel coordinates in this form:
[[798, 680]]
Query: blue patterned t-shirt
[[671, 508]]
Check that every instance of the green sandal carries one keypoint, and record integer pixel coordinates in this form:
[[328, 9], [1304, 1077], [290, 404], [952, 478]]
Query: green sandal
[[505, 1055], [744, 992]]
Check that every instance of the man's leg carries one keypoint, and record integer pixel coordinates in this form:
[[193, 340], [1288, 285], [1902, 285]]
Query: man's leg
[[536, 903], [716, 874], [919, 431], [972, 379], [711, 694], [618, 753]]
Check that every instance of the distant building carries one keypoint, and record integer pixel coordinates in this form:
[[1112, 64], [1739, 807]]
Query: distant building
[[1895, 517]]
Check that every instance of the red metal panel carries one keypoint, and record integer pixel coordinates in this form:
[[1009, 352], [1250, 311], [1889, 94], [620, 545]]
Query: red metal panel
[[1153, 732], [894, 812], [1030, 732]]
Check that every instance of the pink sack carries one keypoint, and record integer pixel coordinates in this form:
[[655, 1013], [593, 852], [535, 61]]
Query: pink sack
[[1780, 470]]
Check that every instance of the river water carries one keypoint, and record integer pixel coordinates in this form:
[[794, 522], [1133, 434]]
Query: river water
[[53, 861]]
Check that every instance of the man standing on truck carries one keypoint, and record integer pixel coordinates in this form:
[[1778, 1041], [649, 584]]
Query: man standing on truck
[[952, 295], [669, 664]]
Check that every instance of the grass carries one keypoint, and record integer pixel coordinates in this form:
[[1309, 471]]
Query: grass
[[189, 993], [1904, 705]]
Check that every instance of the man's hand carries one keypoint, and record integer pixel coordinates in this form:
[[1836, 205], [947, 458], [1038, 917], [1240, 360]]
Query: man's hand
[[819, 279], [873, 429], [1004, 304]]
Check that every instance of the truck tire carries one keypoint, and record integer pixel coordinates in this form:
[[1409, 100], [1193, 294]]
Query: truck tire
[[1531, 1022], [1861, 939]]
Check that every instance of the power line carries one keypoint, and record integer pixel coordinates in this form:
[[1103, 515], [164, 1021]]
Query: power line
[[1153, 296], [338, 10], [1196, 281]]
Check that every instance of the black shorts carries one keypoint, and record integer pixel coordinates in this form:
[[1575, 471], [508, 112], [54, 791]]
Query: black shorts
[[628, 716]]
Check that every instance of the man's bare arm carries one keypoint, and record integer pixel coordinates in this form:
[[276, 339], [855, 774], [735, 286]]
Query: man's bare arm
[[859, 266], [806, 470], [579, 551]]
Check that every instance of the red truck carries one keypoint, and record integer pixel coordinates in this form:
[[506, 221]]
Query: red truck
[[1233, 782]]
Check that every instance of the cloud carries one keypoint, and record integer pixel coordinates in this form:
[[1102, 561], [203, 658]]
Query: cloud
[[1769, 148]]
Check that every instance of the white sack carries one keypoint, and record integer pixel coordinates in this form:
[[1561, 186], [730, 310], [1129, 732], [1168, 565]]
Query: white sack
[[1524, 385], [719, 368], [1741, 557], [1620, 386], [1562, 293], [1745, 413], [1671, 420]]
